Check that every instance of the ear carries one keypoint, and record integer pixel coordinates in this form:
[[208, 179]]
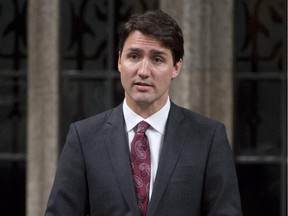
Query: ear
[[119, 62], [177, 69]]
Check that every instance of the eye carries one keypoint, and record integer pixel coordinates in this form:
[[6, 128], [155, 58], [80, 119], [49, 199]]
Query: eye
[[133, 57], [158, 59]]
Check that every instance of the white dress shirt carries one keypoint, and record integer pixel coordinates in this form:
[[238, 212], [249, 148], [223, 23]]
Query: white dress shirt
[[155, 133]]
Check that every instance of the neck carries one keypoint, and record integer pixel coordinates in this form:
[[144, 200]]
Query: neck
[[145, 109]]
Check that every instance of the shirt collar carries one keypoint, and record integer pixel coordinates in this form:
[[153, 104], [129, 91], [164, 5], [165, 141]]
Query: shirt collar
[[157, 120]]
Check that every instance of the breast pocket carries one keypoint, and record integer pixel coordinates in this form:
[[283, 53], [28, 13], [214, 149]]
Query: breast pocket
[[187, 175], [184, 174], [185, 185]]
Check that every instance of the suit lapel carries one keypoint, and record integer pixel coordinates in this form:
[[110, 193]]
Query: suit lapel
[[172, 146], [117, 147]]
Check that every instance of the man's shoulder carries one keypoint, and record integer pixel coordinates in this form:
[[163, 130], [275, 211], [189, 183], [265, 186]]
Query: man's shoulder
[[196, 118], [98, 119]]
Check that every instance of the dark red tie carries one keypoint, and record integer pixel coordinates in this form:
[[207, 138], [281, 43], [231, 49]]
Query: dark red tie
[[140, 161]]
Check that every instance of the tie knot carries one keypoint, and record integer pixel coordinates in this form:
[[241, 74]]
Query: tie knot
[[142, 127]]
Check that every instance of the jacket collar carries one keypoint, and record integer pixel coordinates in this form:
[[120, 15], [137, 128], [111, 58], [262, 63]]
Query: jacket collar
[[172, 146], [117, 147]]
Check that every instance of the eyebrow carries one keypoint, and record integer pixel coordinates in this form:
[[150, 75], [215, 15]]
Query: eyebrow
[[135, 50], [158, 52], [153, 51]]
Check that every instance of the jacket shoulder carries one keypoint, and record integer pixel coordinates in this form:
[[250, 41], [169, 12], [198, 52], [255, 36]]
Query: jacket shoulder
[[196, 118], [99, 120]]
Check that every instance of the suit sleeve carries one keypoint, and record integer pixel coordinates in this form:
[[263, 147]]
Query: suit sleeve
[[69, 194], [221, 193]]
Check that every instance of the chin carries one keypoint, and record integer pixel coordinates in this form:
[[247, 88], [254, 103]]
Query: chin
[[143, 100]]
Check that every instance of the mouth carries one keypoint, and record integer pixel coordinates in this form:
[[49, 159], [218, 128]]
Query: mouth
[[142, 86]]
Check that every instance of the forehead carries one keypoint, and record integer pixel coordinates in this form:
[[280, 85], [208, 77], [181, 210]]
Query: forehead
[[136, 39]]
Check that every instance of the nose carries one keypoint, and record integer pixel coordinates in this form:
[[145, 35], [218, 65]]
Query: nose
[[144, 69]]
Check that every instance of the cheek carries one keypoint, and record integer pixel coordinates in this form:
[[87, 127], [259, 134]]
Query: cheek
[[126, 75], [127, 69], [123, 77], [164, 76], [162, 83]]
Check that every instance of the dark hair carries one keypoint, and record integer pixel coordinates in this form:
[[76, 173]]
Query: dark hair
[[158, 24]]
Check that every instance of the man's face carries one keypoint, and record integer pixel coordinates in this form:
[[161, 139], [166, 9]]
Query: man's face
[[147, 69]]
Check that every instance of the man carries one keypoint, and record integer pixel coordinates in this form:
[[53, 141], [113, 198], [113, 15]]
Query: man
[[181, 165]]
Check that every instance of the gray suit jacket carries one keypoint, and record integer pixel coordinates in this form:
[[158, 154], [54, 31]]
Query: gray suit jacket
[[196, 174]]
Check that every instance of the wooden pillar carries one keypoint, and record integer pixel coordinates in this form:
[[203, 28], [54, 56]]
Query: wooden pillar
[[205, 84], [43, 94]]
